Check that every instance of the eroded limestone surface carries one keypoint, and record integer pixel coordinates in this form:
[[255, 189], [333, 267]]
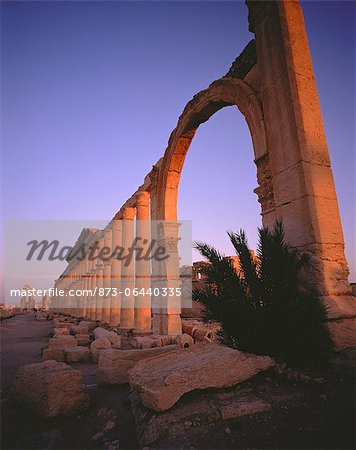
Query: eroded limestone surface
[[163, 380], [51, 388], [114, 364]]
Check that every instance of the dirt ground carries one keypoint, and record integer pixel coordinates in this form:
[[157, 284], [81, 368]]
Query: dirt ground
[[313, 417]]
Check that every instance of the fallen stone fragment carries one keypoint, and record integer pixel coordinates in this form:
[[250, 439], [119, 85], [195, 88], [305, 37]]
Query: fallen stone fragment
[[113, 337], [62, 342], [109, 426], [188, 329], [98, 436], [60, 331], [97, 346], [242, 407], [56, 354], [184, 340], [204, 408], [82, 339], [163, 380], [165, 339], [51, 388], [77, 354], [146, 342], [202, 334], [114, 364], [87, 324]]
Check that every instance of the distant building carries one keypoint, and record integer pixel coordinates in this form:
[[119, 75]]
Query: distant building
[[192, 277]]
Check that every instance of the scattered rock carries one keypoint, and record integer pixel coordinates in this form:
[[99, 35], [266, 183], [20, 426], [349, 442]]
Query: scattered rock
[[114, 338], [103, 412], [56, 354], [204, 408], [82, 339], [184, 340], [146, 342], [114, 364], [87, 324], [98, 436], [109, 426], [162, 380], [97, 346], [60, 331], [113, 445], [51, 388], [76, 354], [243, 406], [62, 342]]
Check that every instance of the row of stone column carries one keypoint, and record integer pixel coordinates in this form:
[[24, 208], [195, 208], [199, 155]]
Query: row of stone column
[[102, 276]]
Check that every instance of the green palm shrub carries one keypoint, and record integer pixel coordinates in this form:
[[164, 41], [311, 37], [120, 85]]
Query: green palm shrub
[[265, 309]]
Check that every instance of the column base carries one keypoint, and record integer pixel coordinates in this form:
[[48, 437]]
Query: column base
[[167, 324], [142, 332]]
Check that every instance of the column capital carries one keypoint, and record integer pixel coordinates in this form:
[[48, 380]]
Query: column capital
[[142, 198], [128, 213]]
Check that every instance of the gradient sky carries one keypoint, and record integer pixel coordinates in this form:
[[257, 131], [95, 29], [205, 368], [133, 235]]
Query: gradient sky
[[92, 90]]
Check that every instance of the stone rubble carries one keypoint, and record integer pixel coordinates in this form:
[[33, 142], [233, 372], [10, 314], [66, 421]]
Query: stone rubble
[[161, 381], [51, 388]]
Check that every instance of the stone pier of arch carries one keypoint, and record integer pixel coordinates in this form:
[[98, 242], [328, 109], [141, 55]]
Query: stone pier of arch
[[272, 84]]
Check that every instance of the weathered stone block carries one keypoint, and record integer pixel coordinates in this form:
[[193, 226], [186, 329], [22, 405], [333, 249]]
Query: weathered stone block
[[57, 354], [114, 364], [87, 324], [97, 346], [77, 354], [242, 407], [145, 342], [51, 388], [60, 331], [113, 337], [204, 408], [62, 342], [184, 340], [82, 339], [163, 380]]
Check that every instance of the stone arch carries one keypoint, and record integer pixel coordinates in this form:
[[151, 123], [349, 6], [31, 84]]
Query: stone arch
[[226, 91]]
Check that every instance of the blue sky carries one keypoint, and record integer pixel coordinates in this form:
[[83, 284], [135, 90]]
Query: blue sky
[[92, 90]]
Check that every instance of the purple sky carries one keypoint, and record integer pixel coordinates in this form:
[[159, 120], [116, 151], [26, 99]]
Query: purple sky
[[92, 90]]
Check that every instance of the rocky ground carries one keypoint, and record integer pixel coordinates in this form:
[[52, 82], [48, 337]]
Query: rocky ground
[[303, 413]]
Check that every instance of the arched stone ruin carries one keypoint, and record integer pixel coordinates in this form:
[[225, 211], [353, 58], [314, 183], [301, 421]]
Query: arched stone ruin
[[272, 84]]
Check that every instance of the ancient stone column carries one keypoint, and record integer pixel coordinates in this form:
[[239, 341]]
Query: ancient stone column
[[78, 287], [299, 162], [76, 298], [91, 297], [106, 311], [82, 299], [71, 298], [127, 271], [55, 298], [85, 287], [99, 283], [143, 266], [116, 234], [156, 269], [62, 301], [168, 320]]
